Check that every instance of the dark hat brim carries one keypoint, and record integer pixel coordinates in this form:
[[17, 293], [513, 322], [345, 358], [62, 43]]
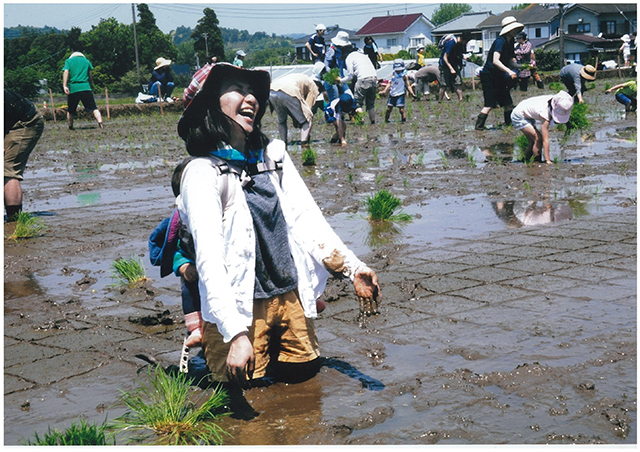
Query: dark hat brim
[[259, 80]]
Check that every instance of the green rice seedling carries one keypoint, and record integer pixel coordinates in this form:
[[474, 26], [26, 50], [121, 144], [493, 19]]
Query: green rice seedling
[[128, 271], [472, 160], [309, 157], [331, 76], [578, 119], [520, 145], [27, 226], [607, 85], [84, 434], [379, 179], [591, 86], [350, 178], [527, 187], [445, 160], [419, 158], [168, 407], [382, 206], [358, 118], [405, 182], [556, 86]]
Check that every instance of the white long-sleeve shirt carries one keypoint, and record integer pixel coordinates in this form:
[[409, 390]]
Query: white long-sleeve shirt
[[225, 240], [359, 65]]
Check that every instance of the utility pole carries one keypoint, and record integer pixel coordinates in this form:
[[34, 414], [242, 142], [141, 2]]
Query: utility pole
[[135, 39], [561, 35], [206, 44]]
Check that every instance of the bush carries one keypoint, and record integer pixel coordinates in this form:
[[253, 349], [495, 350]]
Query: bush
[[547, 60]]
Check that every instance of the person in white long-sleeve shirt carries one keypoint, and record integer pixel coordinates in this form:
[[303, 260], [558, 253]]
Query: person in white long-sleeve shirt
[[358, 65], [263, 248]]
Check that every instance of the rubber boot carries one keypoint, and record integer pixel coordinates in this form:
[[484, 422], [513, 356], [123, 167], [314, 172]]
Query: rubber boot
[[507, 117], [482, 117], [540, 84]]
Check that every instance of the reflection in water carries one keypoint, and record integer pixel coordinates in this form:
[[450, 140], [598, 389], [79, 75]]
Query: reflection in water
[[350, 371], [21, 289], [530, 213], [382, 233], [88, 199]]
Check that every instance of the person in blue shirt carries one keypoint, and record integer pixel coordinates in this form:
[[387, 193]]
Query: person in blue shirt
[[161, 82], [396, 89], [497, 76], [451, 65], [315, 45]]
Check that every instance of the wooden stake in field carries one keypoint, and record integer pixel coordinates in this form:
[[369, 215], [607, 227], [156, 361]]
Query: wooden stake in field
[[106, 96], [619, 68], [53, 108], [160, 99]]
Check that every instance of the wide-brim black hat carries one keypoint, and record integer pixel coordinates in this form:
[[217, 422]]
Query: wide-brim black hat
[[260, 82]]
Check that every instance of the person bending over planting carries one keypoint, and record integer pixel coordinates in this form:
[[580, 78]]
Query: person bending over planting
[[547, 110]]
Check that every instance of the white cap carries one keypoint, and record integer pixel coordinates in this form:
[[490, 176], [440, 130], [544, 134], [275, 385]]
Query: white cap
[[320, 27]]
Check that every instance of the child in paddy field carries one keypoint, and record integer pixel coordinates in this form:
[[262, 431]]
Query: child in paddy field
[[334, 113], [396, 89], [626, 94], [545, 109]]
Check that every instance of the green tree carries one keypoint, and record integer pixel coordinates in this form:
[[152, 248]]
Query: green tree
[[109, 47], [447, 11], [207, 35], [519, 6], [152, 42]]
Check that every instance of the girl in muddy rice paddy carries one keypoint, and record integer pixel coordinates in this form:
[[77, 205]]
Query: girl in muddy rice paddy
[[264, 249], [547, 110]]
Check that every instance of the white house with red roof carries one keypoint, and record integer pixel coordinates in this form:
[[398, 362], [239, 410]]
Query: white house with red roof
[[395, 33]]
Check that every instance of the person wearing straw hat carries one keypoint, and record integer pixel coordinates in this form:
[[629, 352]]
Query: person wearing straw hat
[[316, 45], [498, 76], [264, 250], [575, 77], [238, 61], [161, 82], [545, 110]]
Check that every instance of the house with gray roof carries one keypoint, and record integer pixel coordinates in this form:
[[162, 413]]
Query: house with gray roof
[[609, 20], [401, 32], [466, 22], [540, 23], [579, 47]]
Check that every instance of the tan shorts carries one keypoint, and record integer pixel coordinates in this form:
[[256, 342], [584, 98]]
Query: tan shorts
[[19, 143], [279, 331]]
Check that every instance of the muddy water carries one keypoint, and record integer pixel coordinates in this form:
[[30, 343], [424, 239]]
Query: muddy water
[[507, 317]]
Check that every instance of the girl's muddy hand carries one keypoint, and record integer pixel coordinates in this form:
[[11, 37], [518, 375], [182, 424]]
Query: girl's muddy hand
[[368, 290]]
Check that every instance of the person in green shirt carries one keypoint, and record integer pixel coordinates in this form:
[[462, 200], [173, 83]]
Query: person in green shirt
[[626, 94], [76, 82]]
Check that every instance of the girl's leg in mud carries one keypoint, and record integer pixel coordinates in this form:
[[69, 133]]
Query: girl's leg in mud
[[535, 142], [387, 114], [403, 116]]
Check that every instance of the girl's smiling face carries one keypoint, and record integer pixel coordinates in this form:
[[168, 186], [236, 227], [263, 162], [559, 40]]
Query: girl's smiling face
[[238, 102]]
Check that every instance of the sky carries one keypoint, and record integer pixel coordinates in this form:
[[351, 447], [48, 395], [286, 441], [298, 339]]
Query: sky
[[281, 18]]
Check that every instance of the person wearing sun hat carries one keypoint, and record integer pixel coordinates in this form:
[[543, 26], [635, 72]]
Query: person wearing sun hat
[[316, 45], [239, 59], [575, 77], [546, 110], [498, 75], [264, 250], [161, 82]]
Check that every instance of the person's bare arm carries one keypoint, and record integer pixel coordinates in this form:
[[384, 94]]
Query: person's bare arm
[[65, 82]]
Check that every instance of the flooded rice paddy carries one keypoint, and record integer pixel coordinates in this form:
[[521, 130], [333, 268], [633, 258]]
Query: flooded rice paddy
[[509, 312]]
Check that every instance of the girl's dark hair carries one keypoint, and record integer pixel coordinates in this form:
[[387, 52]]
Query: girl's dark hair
[[214, 128], [176, 177]]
